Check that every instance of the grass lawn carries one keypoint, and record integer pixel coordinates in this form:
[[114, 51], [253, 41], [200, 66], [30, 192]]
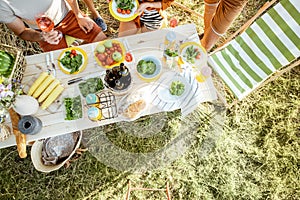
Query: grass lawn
[[255, 156]]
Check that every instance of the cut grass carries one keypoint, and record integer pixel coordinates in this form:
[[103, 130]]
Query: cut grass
[[256, 156]]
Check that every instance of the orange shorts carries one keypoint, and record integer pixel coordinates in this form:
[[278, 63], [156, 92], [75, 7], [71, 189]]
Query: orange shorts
[[69, 26], [226, 12]]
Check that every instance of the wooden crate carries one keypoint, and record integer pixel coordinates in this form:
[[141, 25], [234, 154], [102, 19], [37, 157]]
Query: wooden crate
[[19, 64]]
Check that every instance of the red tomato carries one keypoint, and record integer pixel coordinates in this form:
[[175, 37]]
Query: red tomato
[[128, 11], [123, 12], [119, 10], [198, 56], [109, 61], [73, 53], [173, 22], [101, 57], [128, 57]]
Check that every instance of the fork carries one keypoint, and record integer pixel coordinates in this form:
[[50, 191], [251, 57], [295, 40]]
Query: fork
[[53, 65], [48, 64]]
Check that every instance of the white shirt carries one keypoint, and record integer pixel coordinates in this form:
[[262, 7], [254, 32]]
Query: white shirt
[[28, 9]]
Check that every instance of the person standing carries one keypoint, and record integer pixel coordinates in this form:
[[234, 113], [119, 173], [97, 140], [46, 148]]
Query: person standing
[[218, 16]]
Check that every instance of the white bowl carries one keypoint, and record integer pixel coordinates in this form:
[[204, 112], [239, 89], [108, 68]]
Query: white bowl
[[26, 105]]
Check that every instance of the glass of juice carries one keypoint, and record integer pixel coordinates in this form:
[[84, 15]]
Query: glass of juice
[[46, 24]]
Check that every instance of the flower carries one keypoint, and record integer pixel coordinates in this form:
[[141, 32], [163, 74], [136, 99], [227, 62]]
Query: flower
[[9, 89]]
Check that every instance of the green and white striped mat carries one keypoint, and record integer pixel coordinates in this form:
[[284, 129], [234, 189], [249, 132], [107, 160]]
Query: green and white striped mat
[[270, 43]]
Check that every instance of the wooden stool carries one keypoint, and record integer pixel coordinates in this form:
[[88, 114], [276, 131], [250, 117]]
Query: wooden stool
[[167, 190]]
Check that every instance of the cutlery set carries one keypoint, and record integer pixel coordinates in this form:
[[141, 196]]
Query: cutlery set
[[50, 67]]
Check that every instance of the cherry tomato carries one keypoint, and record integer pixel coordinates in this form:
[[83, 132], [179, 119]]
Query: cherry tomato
[[128, 57], [128, 11], [101, 57], [173, 22], [73, 53], [119, 10], [198, 56], [109, 61], [123, 12]]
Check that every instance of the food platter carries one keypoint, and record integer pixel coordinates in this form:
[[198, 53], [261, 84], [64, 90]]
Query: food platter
[[149, 68], [113, 9], [109, 53], [134, 105], [66, 53], [193, 53], [165, 95]]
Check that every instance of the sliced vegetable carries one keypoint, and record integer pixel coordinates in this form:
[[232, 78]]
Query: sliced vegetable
[[177, 88], [146, 67], [191, 54]]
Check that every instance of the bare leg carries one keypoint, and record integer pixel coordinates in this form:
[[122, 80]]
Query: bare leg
[[209, 37], [127, 28], [101, 36], [91, 7]]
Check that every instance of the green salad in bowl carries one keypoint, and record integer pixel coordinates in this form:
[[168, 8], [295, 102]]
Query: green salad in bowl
[[149, 68]]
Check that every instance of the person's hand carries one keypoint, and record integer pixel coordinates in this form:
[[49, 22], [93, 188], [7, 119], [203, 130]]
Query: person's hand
[[52, 37], [85, 23], [141, 8]]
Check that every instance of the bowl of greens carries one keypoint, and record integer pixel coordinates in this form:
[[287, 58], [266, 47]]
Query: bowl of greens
[[174, 89], [72, 60], [149, 68]]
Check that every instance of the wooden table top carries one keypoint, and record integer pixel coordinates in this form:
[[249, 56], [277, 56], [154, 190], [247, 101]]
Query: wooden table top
[[139, 45]]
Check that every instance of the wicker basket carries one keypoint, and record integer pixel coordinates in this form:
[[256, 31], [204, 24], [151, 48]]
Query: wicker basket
[[19, 65]]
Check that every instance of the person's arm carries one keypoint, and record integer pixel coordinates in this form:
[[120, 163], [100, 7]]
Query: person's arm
[[85, 23], [18, 27], [29, 34], [91, 7], [145, 5]]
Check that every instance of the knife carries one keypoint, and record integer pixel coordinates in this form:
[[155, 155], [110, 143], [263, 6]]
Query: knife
[[94, 75], [53, 65], [48, 64]]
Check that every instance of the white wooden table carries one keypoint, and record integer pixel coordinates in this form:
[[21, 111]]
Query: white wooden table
[[139, 45]]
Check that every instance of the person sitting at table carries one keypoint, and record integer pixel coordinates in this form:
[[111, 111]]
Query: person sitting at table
[[19, 16], [218, 16], [149, 18], [95, 15]]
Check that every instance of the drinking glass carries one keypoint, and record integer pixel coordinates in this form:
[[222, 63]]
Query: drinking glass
[[46, 24]]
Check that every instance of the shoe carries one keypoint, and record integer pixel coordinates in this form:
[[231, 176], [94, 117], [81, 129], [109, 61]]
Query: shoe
[[99, 21], [201, 36]]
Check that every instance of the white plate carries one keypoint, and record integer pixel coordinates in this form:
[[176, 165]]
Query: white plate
[[123, 17], [198, 62], [165, 95], [26, 105]]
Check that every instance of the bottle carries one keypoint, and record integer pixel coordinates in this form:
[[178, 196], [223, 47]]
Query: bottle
[[170, 40]]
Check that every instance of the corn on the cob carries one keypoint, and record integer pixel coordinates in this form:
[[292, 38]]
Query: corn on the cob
[[43, 86], [49, 89], [37, 82], [53, 95]]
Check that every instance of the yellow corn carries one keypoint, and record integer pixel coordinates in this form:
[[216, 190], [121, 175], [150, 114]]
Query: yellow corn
[[43, 86], [37, 82], [49, 89], [53, 95]]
